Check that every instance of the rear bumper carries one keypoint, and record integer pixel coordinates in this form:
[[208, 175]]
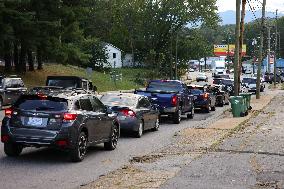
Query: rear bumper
[[201, 104], [39, 137], [128, 124], [168, 111]]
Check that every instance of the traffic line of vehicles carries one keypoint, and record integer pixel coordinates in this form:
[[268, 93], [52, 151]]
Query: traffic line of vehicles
[[68, 114]]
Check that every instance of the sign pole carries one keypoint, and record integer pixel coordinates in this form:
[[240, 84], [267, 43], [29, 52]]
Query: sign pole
[[237, 48]]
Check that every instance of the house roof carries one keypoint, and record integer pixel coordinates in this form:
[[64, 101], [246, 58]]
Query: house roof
[[108, 44]]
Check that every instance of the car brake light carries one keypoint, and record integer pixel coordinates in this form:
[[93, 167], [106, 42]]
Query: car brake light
[[206, 95], [69, 117], [62, 143], [8, 112], [4, 138], [174, 100], [128, 112]]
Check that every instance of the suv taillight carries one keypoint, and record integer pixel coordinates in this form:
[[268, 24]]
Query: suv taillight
[[174, 100], [206, 95], [69, 116], [8, 112], [128, 112]]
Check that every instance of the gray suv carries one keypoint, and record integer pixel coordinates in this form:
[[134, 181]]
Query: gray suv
[[71, 121], [11, 88]]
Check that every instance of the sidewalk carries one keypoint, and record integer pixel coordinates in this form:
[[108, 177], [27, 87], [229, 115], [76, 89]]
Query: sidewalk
[[252, 157], [169, 166]]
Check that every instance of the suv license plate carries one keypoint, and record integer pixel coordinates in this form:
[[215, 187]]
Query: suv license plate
[[35, 121]]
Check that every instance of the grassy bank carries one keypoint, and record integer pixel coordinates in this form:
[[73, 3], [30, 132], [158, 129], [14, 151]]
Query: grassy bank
[[101, 80]]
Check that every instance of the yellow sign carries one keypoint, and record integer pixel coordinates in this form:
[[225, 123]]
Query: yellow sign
[[222, 50]]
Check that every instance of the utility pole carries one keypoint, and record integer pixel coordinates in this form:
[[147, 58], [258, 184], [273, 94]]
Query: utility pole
[[275, 52], [237, 48], [242, 28], [268, 49], [176, 57], [260, 50]]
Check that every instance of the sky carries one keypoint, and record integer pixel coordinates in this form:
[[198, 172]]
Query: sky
[[271, 5]]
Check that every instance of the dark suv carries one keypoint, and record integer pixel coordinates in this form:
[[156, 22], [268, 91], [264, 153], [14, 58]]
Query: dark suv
[[70, 120], [11, 88]]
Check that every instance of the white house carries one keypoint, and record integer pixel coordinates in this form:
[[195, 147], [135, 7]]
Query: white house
[[114, 56]]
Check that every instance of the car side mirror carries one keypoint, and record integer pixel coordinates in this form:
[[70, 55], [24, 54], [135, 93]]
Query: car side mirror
[[95, 88]]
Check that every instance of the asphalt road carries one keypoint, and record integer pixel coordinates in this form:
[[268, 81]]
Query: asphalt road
[[46, 168]]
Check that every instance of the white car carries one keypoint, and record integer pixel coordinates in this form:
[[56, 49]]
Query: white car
[[201, 77]]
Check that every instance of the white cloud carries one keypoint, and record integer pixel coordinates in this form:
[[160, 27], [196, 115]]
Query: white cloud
[[271, 5]]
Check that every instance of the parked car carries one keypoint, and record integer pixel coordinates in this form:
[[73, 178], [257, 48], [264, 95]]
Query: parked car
[[135, 112], [250, 83], [203, 98], [191, 70], [228, 85], [68, 121], [217, 81], [11, 88], [172, 97], [222, 97], [269, 78], [202, 77]]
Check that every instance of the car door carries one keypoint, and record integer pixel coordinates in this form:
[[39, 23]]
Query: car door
[[9, 90], [19, 88], [144, 109], [105, 120], [91, 121], [186, 99]]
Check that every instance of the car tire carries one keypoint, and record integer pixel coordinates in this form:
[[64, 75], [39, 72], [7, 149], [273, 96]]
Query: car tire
[[222, 103], [177, 117], [157, 125], [112, 143], [139, 133], [213, 108], [12, 149], [191, 115], [78, 153]]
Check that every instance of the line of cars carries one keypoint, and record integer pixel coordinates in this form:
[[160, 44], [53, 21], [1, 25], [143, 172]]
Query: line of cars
[[68, 114]]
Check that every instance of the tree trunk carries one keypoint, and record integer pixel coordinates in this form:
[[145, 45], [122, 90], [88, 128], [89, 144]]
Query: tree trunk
[[16, 57], [39, 59], [7, 56], [23, 58], [31, 61]]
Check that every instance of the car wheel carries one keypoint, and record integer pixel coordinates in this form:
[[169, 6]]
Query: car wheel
[[222, 103], [12, 149], [139, 133], [157, 124], [112, 143], [191, 115], [213, 108], [78, 153], [177, 117], [207, 109]]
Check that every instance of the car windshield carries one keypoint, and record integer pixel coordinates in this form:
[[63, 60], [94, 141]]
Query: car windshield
[[118, 100], [167, 86], [249, 80], [38, 103], [196, 91], [227, 82], [66, 83]]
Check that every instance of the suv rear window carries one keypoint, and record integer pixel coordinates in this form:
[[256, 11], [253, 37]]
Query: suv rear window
[[164, 86], [41, 104], [66, 83]]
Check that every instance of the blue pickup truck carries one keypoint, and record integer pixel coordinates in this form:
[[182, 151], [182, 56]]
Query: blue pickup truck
[[172, 97]]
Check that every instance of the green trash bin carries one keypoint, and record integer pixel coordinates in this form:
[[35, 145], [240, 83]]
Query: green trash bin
[[244, 110], [248, 99], [236, 106]]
